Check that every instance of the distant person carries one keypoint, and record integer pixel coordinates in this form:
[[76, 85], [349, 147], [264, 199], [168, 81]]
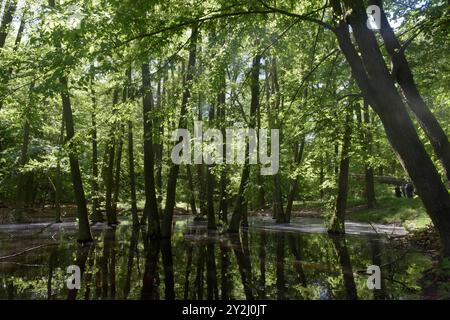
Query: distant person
[[398, 192], [409, 190]]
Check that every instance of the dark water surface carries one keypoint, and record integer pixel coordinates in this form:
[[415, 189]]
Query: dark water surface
[[295, 261]]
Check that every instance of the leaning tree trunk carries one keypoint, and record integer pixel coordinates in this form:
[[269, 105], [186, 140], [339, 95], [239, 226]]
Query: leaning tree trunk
[[377, 86], [337, 224], [241, 201], [401, 72], [174, 169]]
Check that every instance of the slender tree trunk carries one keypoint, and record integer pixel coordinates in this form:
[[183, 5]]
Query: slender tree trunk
[[191, 191], [109, 182], [273, 115], [370, 69], [368, 169], [118, 163], [338, 219], [294, 183], [174, 169], [96, 214], [241, 201], [58, 184], [402, 74], [221, 110], [210, 185], [84, 231], [151, 205]]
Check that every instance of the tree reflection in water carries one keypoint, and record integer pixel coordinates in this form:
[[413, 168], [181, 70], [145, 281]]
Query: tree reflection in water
[[256, 264]]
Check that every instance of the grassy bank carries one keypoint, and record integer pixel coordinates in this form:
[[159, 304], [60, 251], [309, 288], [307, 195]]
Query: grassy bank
[[409, 212]]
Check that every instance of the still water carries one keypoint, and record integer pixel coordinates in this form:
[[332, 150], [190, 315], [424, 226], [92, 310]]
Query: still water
[[297, 261]]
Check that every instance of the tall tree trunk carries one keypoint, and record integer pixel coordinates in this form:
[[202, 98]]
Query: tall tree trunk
[[401, 72], [109, 182], [84, 231], [174, 169], [338, 219], [370, 69], [191, 191], [241, 200], [151, 205]]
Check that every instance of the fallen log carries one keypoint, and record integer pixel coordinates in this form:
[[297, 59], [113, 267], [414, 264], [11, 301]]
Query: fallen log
[[382, 179]]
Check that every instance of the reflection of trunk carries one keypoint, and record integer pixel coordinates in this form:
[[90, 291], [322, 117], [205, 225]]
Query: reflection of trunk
[[174, 169], [244, 266], [240, 207], [189, 251], [110, 239], [89, 275], [132, 251], [211, 273], [82, 255], [338, 219], [150, 281], [344, 260], [281, 281], [378, 294], [298, 259], [402, 74], [293, 189], [151, 205], [166, 251], [51, 265], [373, 78], [198, 283], [262, 266], [224, 275], [111, 215]]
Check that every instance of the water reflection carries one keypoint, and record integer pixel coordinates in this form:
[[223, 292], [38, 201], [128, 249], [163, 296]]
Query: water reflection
[[257, 264]]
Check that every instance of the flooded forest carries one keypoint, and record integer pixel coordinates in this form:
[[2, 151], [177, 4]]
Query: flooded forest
[[224, 150]]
